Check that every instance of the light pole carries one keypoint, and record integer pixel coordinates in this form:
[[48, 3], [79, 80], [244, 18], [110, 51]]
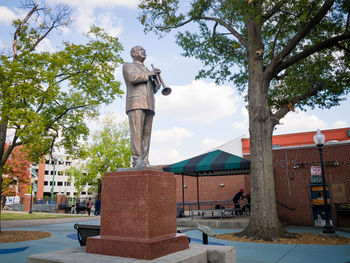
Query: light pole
[[53, 178], [33, 177], [31, 195], [319, 140]]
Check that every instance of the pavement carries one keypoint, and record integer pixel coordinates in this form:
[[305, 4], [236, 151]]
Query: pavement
[[64, 236]]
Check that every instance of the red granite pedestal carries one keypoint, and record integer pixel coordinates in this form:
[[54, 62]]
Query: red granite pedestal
[[138, 216]]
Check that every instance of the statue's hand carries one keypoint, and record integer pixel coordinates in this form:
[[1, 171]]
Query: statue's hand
[[154, 72]]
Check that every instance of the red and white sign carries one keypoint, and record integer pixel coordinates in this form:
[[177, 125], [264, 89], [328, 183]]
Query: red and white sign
[[315, 170]]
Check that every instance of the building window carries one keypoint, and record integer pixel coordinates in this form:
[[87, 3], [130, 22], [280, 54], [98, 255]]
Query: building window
[[68, 163], [47, 162], [60, 173], [46, 172], [59, 183], [66, 183], [46, 182], [54, 183], [52, 173], [83, 193]]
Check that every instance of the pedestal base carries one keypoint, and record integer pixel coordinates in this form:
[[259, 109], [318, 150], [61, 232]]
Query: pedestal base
[[138, 216], [137, 248]]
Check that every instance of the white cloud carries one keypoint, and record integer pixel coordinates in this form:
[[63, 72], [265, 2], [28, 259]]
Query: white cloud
[[6, 15], [164, 156], [339, 124], [198, 102], [293, 122], [171, 137], [165, 143], [45, 45], [244, 124], [110, 23], [95, 124], [209, 143], [300, 122], [86, 17]]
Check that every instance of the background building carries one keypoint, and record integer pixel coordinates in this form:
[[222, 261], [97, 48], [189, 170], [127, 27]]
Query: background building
[[56, 174], [295, 157]]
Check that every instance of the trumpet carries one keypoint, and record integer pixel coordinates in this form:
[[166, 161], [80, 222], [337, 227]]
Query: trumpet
[[160, 82]]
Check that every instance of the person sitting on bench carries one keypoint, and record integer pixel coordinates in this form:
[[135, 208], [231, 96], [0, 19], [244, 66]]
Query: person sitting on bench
[[239, 196]]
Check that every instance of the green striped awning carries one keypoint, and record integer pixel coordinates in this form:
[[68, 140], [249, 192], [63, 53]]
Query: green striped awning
[[211, 164]]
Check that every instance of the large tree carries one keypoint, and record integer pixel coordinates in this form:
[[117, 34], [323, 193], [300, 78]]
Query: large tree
[[44, 95], [290, 54], [108, 150]]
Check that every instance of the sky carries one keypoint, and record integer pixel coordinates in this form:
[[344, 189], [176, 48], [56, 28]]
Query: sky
[[198, 115]]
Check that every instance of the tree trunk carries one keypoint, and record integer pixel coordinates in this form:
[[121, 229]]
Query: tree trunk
[[264, 223], [3, 133], [1, 169]]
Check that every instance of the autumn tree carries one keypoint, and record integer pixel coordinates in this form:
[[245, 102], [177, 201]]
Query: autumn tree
[[44, 95], [16, 171], [290, 54], [108, 150]]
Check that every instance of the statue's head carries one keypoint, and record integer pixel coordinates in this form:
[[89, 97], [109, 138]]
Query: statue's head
[[138, 53]]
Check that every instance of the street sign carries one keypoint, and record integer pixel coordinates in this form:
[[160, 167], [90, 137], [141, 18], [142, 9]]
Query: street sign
[[316, 179], [315, 170]]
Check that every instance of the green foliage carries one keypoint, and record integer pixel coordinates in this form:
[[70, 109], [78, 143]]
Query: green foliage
[[221, 42], [108, 150], [46, 95]]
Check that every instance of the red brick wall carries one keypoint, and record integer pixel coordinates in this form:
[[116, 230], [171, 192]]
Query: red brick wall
[[293, 184], [209, 187]]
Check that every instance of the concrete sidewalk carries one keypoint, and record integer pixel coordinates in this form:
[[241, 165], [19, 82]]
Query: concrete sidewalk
[[64, 237]]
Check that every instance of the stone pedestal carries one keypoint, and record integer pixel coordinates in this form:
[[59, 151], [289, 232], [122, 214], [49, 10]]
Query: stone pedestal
[[138, 216]]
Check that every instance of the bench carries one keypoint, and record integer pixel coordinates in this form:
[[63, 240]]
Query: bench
[[85, 231], [202, 212], [220, 212]]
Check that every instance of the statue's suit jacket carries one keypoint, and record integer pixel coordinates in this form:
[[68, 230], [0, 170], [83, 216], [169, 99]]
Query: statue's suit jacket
[[139, 88]]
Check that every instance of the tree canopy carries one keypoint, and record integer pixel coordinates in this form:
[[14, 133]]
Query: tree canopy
[[49, 95], [290, 55], [108, 150]]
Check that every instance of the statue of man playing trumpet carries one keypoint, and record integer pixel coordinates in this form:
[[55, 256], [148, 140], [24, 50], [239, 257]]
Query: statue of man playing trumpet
[[141, 85]]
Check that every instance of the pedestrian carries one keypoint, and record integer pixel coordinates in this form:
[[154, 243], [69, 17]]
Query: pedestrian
[[88, 206], [246, 207], [97, 206], [239, 196]]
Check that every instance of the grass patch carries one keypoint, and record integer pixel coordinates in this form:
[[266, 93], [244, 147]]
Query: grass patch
[[25, 216]]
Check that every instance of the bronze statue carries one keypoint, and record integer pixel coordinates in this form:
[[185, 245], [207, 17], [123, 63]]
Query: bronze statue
[[141, 85]]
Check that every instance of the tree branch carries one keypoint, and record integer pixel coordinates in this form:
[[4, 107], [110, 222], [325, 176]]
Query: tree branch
[[278, 59], [217, 20], [19, 29], [272, 11], [49, 126], [286, 104], [307, 52], [229, 28]]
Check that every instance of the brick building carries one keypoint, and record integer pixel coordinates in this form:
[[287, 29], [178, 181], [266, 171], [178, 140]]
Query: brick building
[[297, 190]]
